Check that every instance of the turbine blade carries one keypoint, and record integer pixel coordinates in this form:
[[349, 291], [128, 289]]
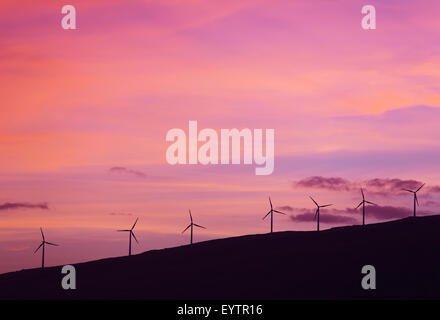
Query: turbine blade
[[270, 203], [316, 213], [190, 216], [374, 204], [408, 190], [134, 223], [363, 196], [42, 234], [314, 201], [267, 214], [132, 233], [279, 212], [420, 187], [359, 204], [52, 244], [326, 205], [38, 247], [199, 226], [186, 228], [123, 230]]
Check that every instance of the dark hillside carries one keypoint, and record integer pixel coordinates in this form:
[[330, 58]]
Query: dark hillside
[[283, 265]]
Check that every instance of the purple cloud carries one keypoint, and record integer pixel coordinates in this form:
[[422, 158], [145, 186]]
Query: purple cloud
[[392, 185], [433, 189], [119, 214], [331, 216], [319, 182], [431, 203], [23, 205], [284, 208], [123, 170], [378, 185], [389, 212]]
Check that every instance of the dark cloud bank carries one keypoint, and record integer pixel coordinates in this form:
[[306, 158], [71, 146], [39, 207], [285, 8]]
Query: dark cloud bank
[[377, 185], [124, 170], [23, 205]]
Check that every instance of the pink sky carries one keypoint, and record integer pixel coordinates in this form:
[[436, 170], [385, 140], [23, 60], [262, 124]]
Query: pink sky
[[344, 102]]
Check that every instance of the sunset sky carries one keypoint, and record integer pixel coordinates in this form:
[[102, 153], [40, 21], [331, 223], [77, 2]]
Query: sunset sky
[[85, 112]]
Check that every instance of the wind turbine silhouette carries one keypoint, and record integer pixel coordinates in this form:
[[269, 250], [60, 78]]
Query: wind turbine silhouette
[[192, 224], [271, 211], [317, 210], [416, 201], [43, 244], [363, 206], [131, 234]]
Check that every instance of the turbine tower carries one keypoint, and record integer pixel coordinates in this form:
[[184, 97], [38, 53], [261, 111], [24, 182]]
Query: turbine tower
[[271, 211], [416, 201], [131, 234], [43, 244], [317, 211], [363, 206], [191, 225]]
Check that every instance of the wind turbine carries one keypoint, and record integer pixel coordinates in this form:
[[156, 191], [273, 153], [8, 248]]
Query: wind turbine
[[416, 201], [192, 224], [363, 206], [271, 211], [317, 211], [131, 234], [43, 244]]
